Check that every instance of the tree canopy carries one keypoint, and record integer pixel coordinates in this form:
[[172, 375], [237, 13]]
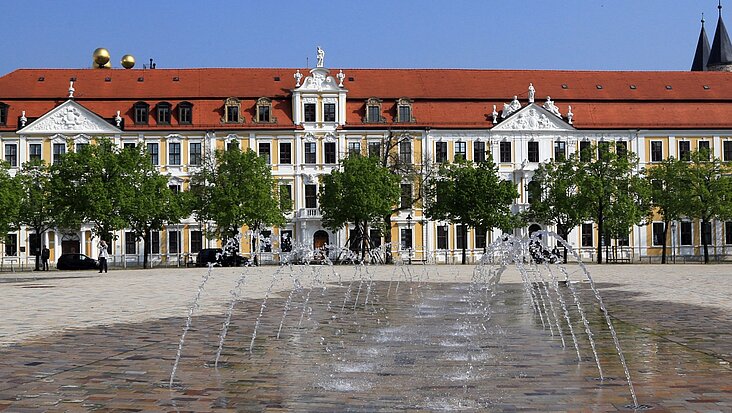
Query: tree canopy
[[669, 194], [10, 196], [36, 208]]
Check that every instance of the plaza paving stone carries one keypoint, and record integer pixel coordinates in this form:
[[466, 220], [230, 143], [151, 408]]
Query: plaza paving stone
[[75, 341]]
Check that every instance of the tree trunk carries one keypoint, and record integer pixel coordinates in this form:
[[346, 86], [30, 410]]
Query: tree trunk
[[665, 234], [600, 233], [363, 241], [564, 236], [38, 249], [704, 240], [145, 247], [387, 240], [464, 241]]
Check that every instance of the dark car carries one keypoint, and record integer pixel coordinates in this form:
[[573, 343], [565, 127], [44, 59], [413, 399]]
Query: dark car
[[76, 262], [217, 257]]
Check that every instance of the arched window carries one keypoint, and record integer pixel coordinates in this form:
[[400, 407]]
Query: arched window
[[404, 111], [264, 111], [231, 110], [373, 111], [141, 110], [185, 113], [163, 113]]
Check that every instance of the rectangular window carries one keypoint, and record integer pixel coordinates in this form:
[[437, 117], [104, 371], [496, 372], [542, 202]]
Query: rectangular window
[[232, 113], [33, 244], [587, 235], [621, 148], [505, 151], [11, 245], [461, 150], [285, 153], [196, 242], [59, 149], [374, 149], [480, 238], [311, 196], [603, 149], [406, 238], [560, 151], [461, 236], [405, 113], [263, 113], [656, 151], [3, 114], [310, 154], [533, 151], [173, 244], [329, 112], [727, 151], [152, 150], [310, 112], [265, 243], [330, 152], [11, 154], [374, 114], [686, 238], [658, 234], [684, 150], [286, 241], [440, 152], [80, 147], [442, 237], [706, 232], [585, 154], [286, 197], [34, 152], [141, 114], [128, 145], [479, 151], [623, 240], [154, 242], [264, 152], [354, 148], [175, 188], [704, 149], [130, 243], [406, 198], [354, 240], [405, 152], [185, 114], [728, 232], [375, 238], [174, 153], [196, 154], [163, 114]]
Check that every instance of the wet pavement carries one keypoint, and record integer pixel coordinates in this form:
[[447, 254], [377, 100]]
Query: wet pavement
[[419, 346]]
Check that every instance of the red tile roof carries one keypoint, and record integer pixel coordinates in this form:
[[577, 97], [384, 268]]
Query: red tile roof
[[443, 98]]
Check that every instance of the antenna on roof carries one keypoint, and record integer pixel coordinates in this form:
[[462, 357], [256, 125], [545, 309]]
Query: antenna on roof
[[152, 65], [720, 8], [307, 62]]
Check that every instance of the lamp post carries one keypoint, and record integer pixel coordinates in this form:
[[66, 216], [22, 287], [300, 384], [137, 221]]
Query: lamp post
[[673, 241], [409, 227]]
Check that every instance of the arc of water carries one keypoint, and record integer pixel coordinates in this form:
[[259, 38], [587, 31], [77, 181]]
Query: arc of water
[[263, 306], [542, 282], [555, 285], [235, 293]]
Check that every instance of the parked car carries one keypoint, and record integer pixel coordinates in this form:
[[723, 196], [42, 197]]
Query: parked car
[[76, 262], [217, 257]]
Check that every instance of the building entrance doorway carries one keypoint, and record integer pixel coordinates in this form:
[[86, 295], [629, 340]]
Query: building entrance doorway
[[320, 239], [70, 244]]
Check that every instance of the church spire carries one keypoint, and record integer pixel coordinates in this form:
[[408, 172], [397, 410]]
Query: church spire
[[720, 56], [702, 51]]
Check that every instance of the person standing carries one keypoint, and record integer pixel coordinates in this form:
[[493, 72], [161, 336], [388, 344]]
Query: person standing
[[103, 255], [45, 255]]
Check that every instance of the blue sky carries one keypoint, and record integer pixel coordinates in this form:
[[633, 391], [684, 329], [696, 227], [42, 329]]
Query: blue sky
[[526, 34]]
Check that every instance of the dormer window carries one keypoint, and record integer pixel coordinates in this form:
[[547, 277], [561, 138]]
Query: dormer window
[[231, 112], [404, 111], [163, 113], [373, 111], [3, 113], [264, 111], [185, 113], [141, 110]]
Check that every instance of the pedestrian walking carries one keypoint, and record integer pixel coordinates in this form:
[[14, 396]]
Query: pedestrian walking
[[103, 255], [45, 255]]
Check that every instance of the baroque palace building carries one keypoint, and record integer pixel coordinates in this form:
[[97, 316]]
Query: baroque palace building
[[304, 121]]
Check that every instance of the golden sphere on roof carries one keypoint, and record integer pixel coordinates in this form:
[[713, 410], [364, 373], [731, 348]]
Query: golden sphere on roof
[[128, 61], [101, 58]]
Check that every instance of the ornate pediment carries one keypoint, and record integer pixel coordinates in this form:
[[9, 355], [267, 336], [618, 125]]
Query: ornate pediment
[[533, 118], [319, 81], [70, 118]]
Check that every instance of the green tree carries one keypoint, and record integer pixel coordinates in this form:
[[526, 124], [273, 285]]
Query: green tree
[[607, 180], [152, 204], [360, 191], [472, 195], [10, 195], [237, 189], [709, 188], [36, 210], [668, 192], [554, 198], [90, 185]]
